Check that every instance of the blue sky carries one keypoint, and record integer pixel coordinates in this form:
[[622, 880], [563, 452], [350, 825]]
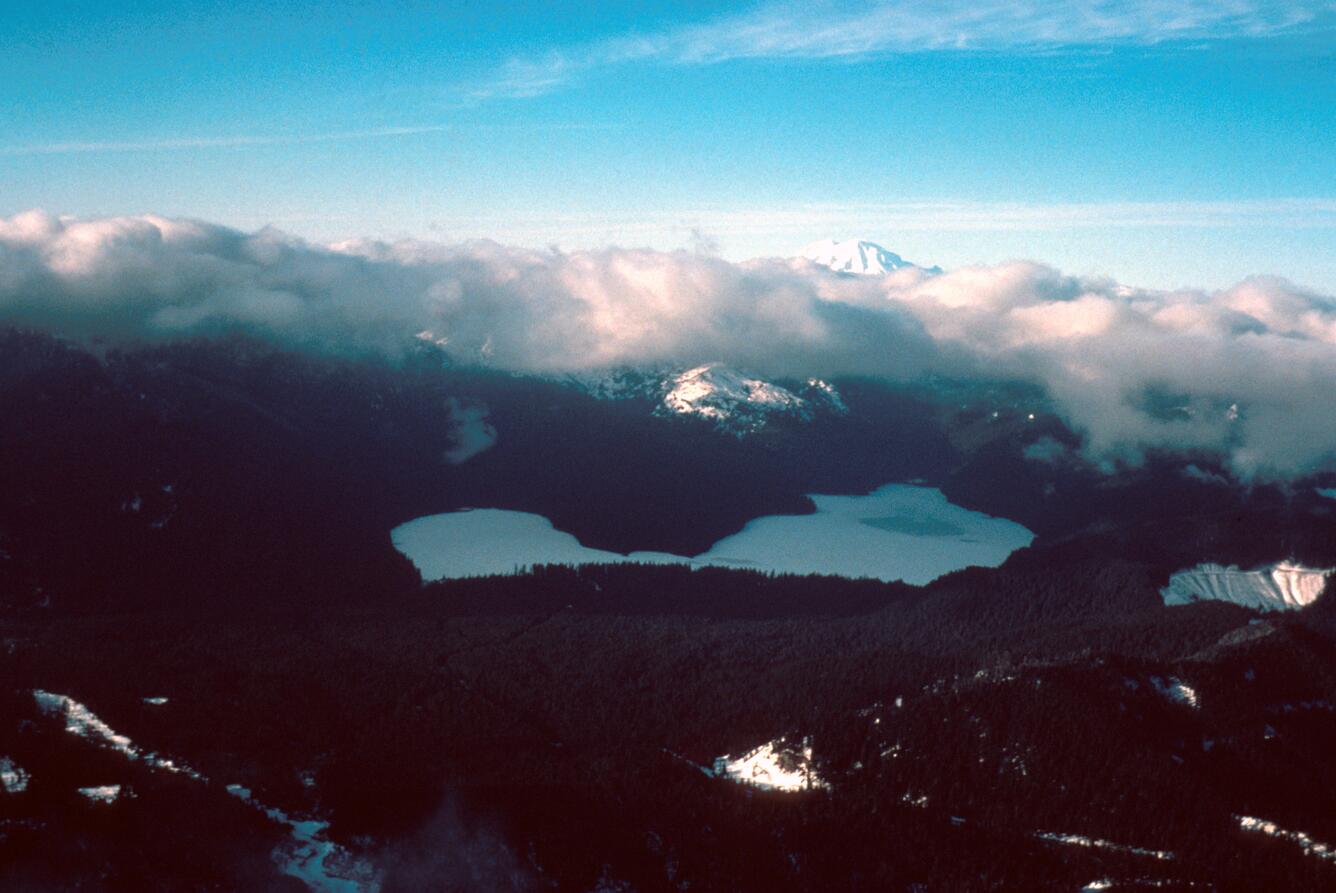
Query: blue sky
[[1163, 143]]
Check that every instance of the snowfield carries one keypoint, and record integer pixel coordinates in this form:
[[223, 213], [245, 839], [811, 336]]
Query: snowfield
[[774, 765]]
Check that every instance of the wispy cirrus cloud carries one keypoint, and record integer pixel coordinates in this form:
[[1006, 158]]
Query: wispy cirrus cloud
[[798, 221], [76, 147], [169, 144], [831, 31]]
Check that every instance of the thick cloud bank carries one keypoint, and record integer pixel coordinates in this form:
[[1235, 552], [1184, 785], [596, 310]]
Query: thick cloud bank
[[1249, 372]]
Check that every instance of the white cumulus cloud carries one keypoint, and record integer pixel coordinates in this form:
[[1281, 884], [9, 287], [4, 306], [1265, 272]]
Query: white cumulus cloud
[[1247, 373]]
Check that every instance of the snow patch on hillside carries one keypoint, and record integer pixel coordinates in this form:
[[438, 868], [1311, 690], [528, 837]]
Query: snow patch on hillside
[[1286, 586], [775, 765], [1176, 690], [103, 793], [12, 777]]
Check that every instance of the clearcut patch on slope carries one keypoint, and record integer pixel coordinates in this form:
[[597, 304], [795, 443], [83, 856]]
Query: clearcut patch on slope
[[775, 765], [1285, 586]]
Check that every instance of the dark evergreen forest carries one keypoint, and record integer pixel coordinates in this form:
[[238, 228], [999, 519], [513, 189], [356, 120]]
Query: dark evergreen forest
[[208, 522]]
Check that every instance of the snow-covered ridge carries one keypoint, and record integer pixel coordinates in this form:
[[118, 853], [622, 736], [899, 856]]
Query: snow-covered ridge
[[737, 403], [703, 389], [1271, 829], [81, 721], [310, 856], [1286, 586], [1096, 843], [726, 396], [740, 404], [858, 257]]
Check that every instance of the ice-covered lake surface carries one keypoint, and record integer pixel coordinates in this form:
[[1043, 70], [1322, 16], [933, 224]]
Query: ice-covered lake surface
[[897, 532]]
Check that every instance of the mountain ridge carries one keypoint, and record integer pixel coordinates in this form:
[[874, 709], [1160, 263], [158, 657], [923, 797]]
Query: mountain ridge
[[735, 402]]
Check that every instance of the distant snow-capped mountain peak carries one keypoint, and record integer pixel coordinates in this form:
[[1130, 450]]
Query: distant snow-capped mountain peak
[[858, 257]]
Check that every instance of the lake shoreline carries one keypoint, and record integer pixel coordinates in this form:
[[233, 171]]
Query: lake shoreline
[[896, 532]]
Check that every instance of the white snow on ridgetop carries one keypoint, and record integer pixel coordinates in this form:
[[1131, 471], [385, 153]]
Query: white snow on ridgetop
[[1310, 846], [81, 721], [713, 391], [1096, 843], [1286, 586], [736, 402], [84, 723], [855, 256], [740, 404], [828, 393]]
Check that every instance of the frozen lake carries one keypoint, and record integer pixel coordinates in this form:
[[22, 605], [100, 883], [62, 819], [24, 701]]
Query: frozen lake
[[897, 532]]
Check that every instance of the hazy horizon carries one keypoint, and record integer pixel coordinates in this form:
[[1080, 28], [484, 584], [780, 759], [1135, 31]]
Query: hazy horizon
[[1165, 145]]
